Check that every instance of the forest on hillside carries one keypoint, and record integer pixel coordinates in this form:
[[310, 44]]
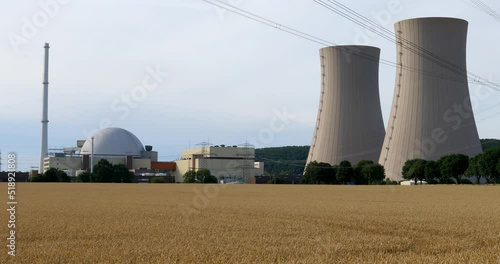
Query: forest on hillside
[[292, 159]]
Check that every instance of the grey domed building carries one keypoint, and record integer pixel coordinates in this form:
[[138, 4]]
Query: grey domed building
[[114, 144]]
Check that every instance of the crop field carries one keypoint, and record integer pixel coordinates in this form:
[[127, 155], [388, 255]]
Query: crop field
[[175, 223]]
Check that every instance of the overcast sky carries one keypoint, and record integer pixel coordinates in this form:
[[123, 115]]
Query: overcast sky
[[219, 76]]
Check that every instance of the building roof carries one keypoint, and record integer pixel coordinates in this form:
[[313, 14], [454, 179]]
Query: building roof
[[114, 141]]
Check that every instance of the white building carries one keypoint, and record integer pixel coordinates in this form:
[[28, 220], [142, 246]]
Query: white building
[[228, 164]]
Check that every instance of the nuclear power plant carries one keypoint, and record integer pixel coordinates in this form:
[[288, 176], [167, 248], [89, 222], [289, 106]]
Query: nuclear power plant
[[349, 124], [431, 113]]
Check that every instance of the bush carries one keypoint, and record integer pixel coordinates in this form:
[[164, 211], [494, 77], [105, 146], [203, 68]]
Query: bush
[[388, 181], [39, 178], [276, 180], [52, 175], [157, 180], [84, 177], [464, 181]]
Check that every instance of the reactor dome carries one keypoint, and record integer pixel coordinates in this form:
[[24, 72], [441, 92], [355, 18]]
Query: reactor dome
[[113, 141]]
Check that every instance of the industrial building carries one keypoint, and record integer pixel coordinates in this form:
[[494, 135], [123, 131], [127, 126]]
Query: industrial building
[[349, 125], [119, 146], [227, 163], [114, 144], [431, 114]]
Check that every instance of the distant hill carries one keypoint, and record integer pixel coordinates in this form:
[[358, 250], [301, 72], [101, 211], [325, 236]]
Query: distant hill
[[489, 143], [283, 160], [292, 159]]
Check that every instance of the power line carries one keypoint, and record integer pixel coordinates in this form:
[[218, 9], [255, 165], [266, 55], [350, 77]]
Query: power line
[[349, 51], [479, 4], [368, 24], [372, 27]]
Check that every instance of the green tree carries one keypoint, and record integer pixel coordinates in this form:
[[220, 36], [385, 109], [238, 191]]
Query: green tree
[[498, 167], [121, 174], [189, 177], [39, 178], [84, 177], [157, 180], [453, 166], [414, 169], [318, 173], [359, 176], [103, 171], [431, 171], [56, 175], [417, 170], [344, 172], [487, 164], [276, 180], [374, 173], [200, 176], [473, 169]]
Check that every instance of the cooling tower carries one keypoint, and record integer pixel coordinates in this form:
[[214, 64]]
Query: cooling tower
[[349, 124], [431, 112]]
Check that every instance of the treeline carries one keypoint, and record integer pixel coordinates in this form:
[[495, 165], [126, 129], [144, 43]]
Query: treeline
[[292, 159], [289, 160], [51, 175], [104, 171], [451, 168], [364, 172]]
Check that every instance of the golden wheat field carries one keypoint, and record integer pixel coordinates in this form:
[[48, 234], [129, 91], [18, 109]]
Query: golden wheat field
[[166, 223]]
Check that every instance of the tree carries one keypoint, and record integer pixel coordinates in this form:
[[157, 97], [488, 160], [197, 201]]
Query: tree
[[414, 169], [473, 169], [406, 168], [157, 180], [189, 177], [431, 171], [374, 173], [39, 178], [344, 172], [487, 164], [276, 180], [84, 177], [498, 167], [52, 175], [453, 166], [200, 176], [121, 174], [319, 172], [103, 171], [359, 176]]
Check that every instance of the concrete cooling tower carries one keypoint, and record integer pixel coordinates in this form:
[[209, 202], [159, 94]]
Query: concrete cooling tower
[[349, 124], [431, 113]]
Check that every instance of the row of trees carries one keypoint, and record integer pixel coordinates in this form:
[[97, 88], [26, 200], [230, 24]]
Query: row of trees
[[451, 168], [51, 175], [365, 172], [200, 176], [104, 171]]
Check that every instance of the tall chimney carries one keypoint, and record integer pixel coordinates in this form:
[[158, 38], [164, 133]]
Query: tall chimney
[[45, 121]]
